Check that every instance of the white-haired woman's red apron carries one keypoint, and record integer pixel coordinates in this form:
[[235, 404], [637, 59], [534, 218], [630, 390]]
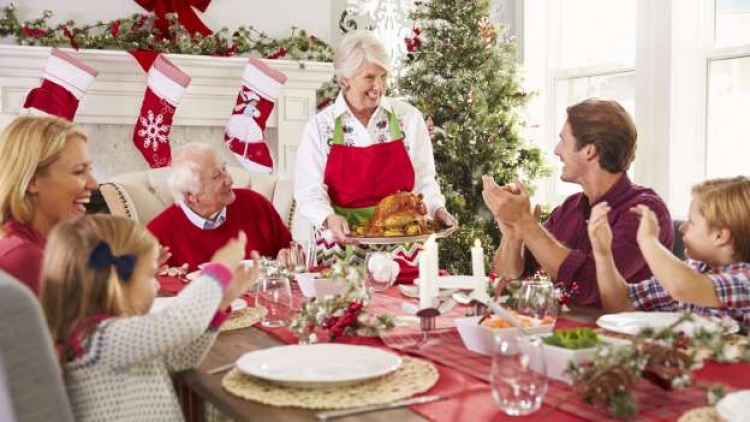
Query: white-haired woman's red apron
[[357, 179]]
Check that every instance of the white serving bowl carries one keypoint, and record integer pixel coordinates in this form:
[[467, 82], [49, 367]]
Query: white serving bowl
[[557, 358], [312, 285], [481, 339]]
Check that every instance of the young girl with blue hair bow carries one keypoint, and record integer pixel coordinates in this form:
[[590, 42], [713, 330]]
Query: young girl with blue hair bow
[[98, 285]]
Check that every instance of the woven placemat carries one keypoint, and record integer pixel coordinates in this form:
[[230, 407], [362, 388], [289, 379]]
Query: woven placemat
[[413, 377], [243, 318], [701, 414]]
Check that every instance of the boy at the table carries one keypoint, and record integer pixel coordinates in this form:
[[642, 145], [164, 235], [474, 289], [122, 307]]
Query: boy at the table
[[714, 280]]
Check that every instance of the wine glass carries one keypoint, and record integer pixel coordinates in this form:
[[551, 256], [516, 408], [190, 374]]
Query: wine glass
[[537, 299], [300, 256], [518, 375], [275, 294]]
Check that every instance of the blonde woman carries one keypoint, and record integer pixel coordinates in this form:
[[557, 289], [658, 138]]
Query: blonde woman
[[45, 177]]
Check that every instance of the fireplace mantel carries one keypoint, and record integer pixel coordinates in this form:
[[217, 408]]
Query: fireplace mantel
[[116, 95]]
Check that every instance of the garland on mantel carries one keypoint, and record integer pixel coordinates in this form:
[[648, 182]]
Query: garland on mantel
[[140, 32]]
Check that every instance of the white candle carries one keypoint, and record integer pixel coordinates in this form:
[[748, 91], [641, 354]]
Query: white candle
[[428, 273], [477, 265], [435, 273], [425, 300]]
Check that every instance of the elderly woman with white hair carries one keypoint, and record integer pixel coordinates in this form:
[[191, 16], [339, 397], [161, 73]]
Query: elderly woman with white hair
[[362, 148]]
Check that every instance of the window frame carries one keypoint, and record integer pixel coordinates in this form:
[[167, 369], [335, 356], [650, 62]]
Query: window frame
[[674, 52], [546, 75]]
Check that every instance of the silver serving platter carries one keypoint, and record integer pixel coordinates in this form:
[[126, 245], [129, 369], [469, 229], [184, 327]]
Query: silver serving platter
[[395, 240]]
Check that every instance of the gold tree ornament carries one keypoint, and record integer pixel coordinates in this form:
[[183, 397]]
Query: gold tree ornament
[[487, 31]]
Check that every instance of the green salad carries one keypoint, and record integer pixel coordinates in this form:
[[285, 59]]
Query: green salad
[[577, 338]]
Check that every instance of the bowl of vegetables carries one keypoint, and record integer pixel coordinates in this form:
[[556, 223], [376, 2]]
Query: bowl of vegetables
[[578, 344]]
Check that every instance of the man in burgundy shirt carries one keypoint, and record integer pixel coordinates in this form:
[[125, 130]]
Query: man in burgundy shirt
[[597, 145], [208, 212]]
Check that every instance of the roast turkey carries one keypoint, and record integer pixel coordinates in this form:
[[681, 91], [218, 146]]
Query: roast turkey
[[400, 214]]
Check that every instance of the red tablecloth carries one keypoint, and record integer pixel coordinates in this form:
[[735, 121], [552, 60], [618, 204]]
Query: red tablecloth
[[464, 374]]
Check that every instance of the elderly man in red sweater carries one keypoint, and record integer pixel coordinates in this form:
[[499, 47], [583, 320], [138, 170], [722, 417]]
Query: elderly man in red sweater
[[208, 212]]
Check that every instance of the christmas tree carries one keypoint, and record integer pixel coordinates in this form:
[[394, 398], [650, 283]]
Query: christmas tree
[[461, 71]]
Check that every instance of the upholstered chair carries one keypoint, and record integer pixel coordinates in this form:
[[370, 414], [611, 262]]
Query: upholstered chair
[[30, 368], [142, 195]]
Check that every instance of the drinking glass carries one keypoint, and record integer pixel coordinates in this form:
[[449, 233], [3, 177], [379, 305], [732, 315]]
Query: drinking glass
[[537, 299], [275, 294], [518, 375], [378, 271], [301, 256]]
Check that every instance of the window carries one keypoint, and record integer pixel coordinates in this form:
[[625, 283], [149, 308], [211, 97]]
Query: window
[[682, 69], [728, 93], [728, 125], [732, 23], [573, 50]]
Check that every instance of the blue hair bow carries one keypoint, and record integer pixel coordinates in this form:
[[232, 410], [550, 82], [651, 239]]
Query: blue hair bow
[[102, 256]]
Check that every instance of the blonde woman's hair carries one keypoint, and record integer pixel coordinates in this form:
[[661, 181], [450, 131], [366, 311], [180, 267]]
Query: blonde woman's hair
[[725, 204], [71, 290], [28, 145], [356, 49]]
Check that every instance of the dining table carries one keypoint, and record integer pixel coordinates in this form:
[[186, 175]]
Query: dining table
[[463, 376]]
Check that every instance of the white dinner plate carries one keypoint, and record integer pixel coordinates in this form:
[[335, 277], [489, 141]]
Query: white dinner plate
[[633, 322], [461, 282], [318, 365], [735, 407]]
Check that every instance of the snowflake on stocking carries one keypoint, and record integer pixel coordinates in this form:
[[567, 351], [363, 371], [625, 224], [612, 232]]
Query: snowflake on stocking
[[153, 131]]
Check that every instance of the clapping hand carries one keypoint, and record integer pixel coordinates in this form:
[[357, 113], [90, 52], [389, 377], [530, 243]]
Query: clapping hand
[[509, 204], [243, 276], [649, 226], [600, 234], [232, 252]]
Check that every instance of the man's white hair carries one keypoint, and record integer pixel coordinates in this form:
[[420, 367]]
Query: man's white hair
[[184, 177]]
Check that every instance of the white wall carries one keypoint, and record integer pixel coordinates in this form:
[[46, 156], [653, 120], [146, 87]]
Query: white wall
[[275, 17]]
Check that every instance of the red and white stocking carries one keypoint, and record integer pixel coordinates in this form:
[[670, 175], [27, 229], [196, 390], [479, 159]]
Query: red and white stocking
[[256, 99], [166, 84], [66, 80]]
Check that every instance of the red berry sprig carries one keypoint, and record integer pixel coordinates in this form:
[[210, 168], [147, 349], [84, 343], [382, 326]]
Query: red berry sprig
[[337, 325]]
